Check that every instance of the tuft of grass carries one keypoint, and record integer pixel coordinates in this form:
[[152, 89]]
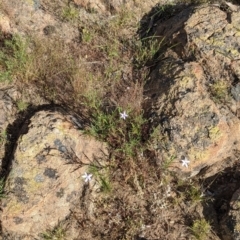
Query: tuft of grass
[[168, 163], [70, 13], [102, 175], [101, 125], [58, 233], [14, 59], [105, 184], [87, 35], [102, 122], [194, 193], [191, 191], [147, 49], [112, 50], [3, 137], [47, 65], [123, 135], [132, 136], [22, 105], [25, 60], [200, 229]]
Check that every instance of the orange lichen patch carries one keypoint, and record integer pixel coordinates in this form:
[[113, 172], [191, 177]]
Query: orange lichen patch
[[221, 147]]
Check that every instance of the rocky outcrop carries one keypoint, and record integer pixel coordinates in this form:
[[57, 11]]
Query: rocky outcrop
[[193, 93], [45, 180]]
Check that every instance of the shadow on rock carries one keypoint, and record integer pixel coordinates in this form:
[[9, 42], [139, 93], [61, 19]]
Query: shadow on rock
[[162, 22], [223, 191]]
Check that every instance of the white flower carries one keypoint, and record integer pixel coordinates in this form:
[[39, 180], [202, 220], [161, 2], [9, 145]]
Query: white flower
[[123, 115], [87, 177], [185, 162]]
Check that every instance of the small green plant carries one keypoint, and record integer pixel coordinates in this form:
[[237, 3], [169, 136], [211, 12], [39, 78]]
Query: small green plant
[[102, 175], [111, 48], [87, 35], [191, 191], [194, 193], [3, 137], [167, 163], [155, 136], [111, 70], [70, 13], [58, 233], [22, 105], [124, 134], [105, 184], [41, 63], [146, 50], [128, 148], [130, 135], [102, 123], [200, 229], [14, 58]]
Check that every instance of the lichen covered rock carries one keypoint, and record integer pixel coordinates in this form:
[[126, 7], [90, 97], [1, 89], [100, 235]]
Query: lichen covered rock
[[193, 94], [45, 180]]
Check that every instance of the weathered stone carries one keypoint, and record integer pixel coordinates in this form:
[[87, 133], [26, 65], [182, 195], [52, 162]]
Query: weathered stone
[[193, 92], [45, 180]]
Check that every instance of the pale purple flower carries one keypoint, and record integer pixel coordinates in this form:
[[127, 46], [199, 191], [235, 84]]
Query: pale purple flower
[[87, 177], [123, 115], [185, 162]]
